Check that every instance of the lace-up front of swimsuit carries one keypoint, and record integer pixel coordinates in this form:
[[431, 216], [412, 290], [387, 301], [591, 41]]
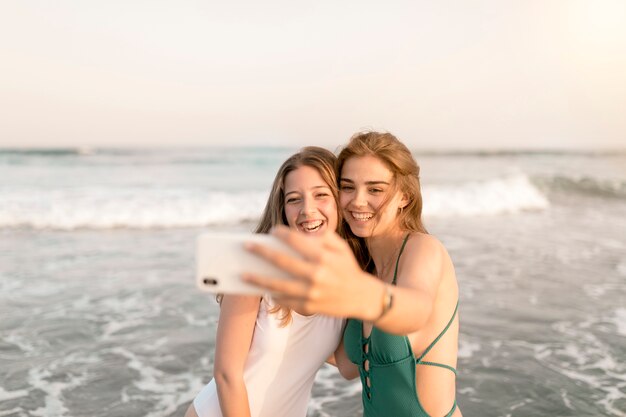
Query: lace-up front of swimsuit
[[387, 368]]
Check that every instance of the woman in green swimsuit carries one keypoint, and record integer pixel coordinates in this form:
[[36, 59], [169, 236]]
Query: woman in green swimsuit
[[400, 290]]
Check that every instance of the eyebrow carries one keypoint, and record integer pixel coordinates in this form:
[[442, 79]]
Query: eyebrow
[[366, 182], [313, 188]]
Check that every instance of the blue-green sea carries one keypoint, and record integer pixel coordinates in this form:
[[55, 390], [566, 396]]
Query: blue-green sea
[[100, 316]]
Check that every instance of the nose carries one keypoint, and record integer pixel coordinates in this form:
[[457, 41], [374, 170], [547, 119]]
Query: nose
[[308, 206], [359, 198]]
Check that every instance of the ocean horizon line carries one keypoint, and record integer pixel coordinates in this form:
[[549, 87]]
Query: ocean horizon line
[[125, 150]]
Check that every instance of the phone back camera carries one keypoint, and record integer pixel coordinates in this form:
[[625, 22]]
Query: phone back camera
[[209, 281]]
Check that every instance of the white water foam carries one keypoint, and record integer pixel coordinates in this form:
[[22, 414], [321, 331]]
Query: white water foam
[[9, 395], [588, 361], [40, 378], [126, 208], [496, 196], [164, 393], [467, 349], [619, 320], [109, 208]]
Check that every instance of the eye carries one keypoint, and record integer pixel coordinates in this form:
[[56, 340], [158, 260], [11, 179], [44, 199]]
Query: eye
[[321, 195], [292, 200], [376, 190], [346, 188]]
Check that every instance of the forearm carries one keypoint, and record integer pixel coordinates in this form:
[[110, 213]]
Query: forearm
[[409, 311], [346, 368], [232, 395]]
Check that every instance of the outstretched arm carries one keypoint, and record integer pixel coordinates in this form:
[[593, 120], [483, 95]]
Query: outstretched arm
[[328, 280]]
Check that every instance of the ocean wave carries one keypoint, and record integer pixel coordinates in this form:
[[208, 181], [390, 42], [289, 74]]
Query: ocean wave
[[496, 196], [110, 208], [97, 208], [612, 188]]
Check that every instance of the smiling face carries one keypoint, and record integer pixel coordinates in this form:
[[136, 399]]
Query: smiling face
[[366, 199], [309, 203]]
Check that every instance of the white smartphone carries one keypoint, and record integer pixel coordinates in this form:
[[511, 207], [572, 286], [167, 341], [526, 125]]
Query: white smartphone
[[221, 259]]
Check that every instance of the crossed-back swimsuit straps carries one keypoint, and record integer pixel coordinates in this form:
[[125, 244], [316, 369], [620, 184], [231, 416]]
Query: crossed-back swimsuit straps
[[390, 369]]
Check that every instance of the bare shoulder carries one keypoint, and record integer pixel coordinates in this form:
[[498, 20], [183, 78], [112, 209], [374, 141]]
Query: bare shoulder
[[426, 246], [424, 239], [423, 261]]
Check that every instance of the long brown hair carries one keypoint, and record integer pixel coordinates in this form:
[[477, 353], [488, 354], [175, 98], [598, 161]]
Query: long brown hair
[[323, 161], [399, 160]]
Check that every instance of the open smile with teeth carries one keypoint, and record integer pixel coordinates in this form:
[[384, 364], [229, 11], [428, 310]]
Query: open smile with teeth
[[362, 217], [311, 226]]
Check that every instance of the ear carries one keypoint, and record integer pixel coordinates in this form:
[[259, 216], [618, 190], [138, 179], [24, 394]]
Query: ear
[[404, 200]]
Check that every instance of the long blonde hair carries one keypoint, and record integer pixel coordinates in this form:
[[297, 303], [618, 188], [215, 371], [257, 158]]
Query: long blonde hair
[[320, 159], [399, 160]]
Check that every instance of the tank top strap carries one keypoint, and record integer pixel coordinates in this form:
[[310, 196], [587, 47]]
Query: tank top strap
[[395, 272], [419, 360]]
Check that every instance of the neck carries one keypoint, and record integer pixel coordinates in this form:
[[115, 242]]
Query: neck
[[384, 250]]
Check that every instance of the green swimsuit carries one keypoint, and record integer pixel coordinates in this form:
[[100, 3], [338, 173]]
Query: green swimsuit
[[392, 390]]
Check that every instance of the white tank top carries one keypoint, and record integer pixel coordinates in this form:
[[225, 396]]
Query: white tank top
[[281, 365]]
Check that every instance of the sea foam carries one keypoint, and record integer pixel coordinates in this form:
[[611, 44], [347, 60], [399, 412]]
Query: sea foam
[[496, 196], [109, 208]]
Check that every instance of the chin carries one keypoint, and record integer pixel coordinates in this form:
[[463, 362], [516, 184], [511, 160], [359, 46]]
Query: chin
[[360, 231]]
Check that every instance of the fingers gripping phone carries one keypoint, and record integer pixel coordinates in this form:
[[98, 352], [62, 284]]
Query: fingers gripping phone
[[221, 259]]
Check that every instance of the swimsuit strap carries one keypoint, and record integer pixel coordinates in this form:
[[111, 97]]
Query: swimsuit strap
[[395, 272], [419, 360], [453, 408]]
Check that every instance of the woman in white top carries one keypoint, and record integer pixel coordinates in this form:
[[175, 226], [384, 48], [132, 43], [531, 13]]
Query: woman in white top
[[266, 356]]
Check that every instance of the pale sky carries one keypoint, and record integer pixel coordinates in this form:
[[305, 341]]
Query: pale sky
[[439, 74]]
